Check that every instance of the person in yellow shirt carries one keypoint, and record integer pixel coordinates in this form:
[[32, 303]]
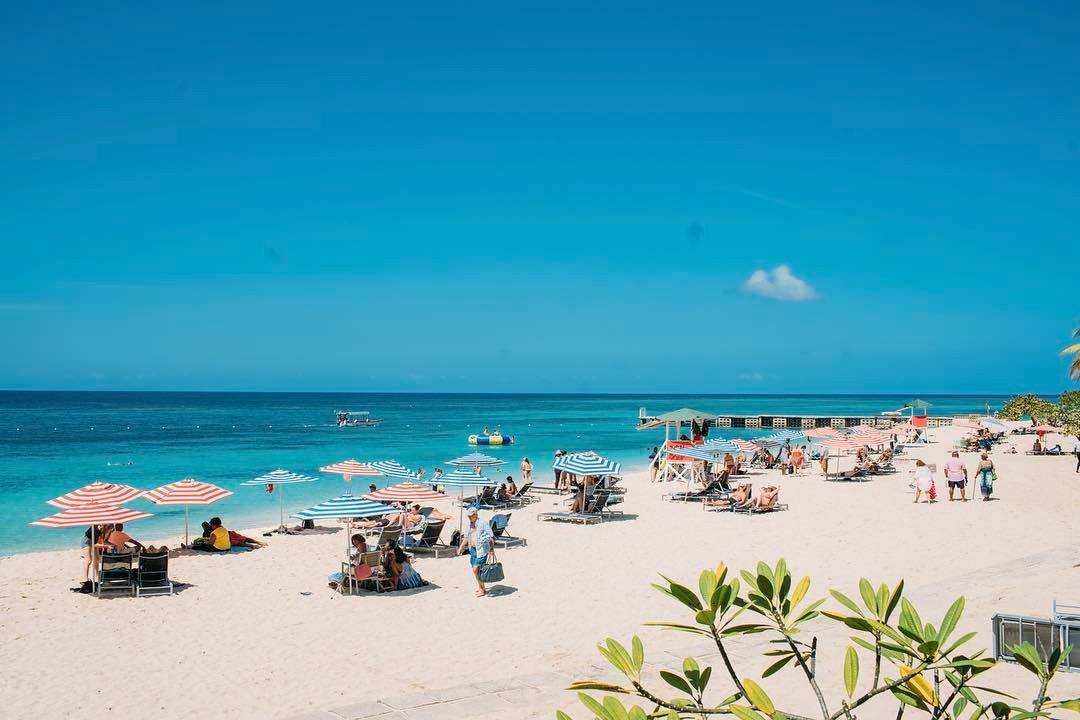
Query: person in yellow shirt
[[219, 536]]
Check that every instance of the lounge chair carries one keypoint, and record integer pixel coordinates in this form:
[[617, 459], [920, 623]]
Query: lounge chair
[[377, 581], [153, 574], [386, 534], [521, 497], [115, 573], [498, 529], [428, 542], [594, 511], [548, 489]]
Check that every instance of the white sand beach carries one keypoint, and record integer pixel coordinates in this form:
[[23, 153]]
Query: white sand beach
[[259, 634]]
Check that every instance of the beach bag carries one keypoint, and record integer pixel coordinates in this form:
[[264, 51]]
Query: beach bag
[[932, 492], [993, 474], [491, 572], [455, 539]]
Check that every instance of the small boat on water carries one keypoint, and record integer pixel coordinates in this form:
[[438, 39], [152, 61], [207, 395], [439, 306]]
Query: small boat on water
[[495, 438], [350, 418]]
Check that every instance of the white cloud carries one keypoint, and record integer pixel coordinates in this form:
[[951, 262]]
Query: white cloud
[[779, 284]]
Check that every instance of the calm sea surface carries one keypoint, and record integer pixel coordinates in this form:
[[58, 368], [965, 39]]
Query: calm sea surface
[[54, 442]]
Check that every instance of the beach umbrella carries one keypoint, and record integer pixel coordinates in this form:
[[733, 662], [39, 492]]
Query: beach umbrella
[[97, 492], [745, 445], [187, 492], [785, 435], [702, 453], [721, 446], [767, 442], [405, 492], [822, 432], [282, 478], [462, 478], [389, 468], [844, 442], [91, 514], [344, 506], [477, 459], [350, 469], [862, 429], [589, 463]]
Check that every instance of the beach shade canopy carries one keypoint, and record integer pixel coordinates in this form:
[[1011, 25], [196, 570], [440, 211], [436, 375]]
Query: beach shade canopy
[[389, 468], [344, 506], [97, 492], [767, 442], [992, 423], [745, 445], [701, 452], [822, 432], [280, 477], [875, 438], [862, 429], [91, 514], [845, 442], [473, 459], [785, 435], [917, 404], [187, 492], [589, 463], [462, 477], [351, 468], [1044, 428], [721, 446], [685, 415], [406, 492], [967, 423]]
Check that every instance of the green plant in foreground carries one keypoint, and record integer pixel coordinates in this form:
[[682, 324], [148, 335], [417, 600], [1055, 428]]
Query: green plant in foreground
[[905, 651]]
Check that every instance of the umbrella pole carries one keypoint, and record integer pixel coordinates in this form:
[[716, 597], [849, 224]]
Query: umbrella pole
[[281, 507], [185, 524]]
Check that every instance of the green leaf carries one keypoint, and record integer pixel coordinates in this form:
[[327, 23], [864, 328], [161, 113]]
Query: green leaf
[[846, 601], [601, 687], [866, 590], [757, 697], [681, 593], [778, 665], [893, 601], [1028, 656], [763, 569], [962, 640], [679, 627], [703, 681], [765, 585], [858, 623], [851, 670], [882, 599], [959, 705], [615, 709], [594, 706], [707, 585], [677, 682], [952, 617], [637, 713], [907, 697], [1054, 660], [560, 715], [800, 591], [744, 713], [638, 652], [1073, 705]]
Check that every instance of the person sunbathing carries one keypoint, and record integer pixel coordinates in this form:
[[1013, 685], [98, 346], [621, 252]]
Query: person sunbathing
[[244, 541], [766, 498], [511, 486], [740, 496]]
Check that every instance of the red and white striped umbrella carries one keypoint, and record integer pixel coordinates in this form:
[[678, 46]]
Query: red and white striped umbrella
[[91, 514], [187, 492], [822, 432], [350, 468], [1044, 428], [876, 438], [745, 446], [863, 429], [97, 492], [405, 492], [844, 442]]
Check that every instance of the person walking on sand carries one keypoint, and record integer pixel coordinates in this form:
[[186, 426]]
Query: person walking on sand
[[526, 470], [957, 476], [1076, 452], [986, 474], [479, 541], [924, 481]]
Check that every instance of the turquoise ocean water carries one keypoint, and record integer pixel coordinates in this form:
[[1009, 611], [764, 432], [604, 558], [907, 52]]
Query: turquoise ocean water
[[53, 442]]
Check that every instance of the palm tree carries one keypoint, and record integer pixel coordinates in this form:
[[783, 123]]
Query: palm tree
[[1074, 350]]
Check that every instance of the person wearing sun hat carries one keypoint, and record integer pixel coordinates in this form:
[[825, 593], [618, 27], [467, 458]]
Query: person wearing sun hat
[[480, 542]]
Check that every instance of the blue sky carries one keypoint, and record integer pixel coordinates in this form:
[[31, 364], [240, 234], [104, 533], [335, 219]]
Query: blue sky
[[531, 197]]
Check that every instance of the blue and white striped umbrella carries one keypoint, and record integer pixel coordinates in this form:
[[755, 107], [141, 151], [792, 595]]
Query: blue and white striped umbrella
[[345, 506], [785, 435], [721, 445], [279, 477], [587, 463], [394, 470], [473, 459], [462, 477], [767, 442], [699, 453]]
